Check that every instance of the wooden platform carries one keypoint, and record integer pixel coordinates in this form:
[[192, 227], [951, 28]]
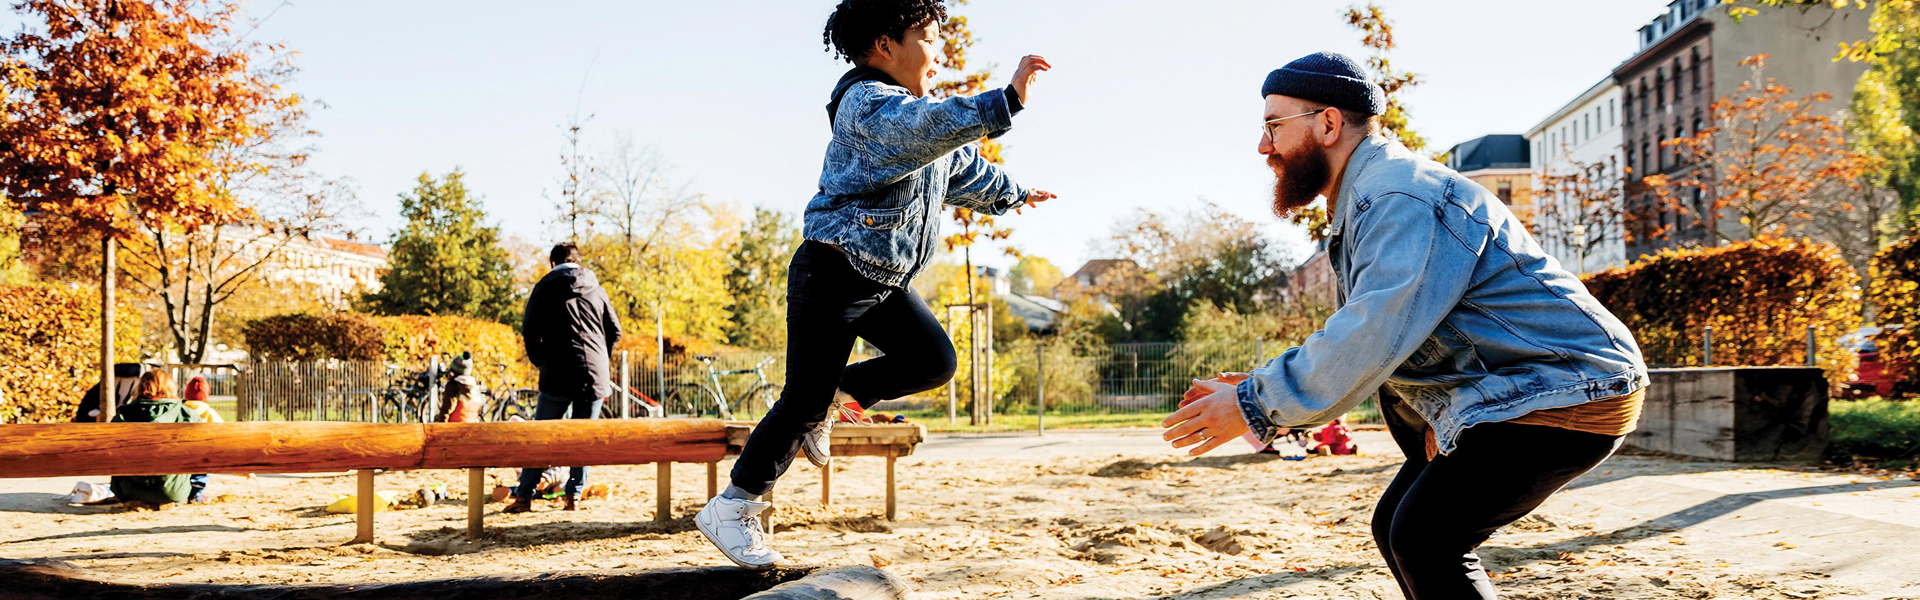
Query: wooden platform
[[891, 440]]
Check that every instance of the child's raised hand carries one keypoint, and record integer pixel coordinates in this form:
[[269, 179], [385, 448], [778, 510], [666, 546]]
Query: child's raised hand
[[1030, 66], [1035, 197]]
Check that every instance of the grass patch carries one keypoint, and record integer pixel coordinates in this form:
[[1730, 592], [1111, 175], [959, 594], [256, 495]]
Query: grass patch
[[1875, 428]]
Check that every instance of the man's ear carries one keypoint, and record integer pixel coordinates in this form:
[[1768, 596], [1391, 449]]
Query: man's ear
[[1332, 123]]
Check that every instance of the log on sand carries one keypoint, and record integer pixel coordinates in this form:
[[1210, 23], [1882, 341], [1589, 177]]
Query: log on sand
[[57, 580], [91, 449]]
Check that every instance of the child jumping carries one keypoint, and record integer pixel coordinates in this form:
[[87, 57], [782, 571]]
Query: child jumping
[[896, 156]]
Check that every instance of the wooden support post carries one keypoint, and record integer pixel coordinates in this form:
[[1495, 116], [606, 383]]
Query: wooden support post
[[663, 492], [891, 452], [826, 485], [766, 518], [364, 509], [713, 480], [476, 501]]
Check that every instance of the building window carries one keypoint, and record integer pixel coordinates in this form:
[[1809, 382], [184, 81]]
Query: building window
[[1643, 98], [1504, 189], [1660, 89], [1613, 115], [1676, 80], [1696, 68]]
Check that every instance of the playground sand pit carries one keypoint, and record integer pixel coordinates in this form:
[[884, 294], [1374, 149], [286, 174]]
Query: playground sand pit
[[1078, 526]]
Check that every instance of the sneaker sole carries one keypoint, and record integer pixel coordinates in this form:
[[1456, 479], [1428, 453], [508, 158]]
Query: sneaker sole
[[817, 460], [700, 523]]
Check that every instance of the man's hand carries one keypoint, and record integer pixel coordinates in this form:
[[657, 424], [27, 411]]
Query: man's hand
[[1196, 392], [1210, 421], [1030, 66], [1035, 197]]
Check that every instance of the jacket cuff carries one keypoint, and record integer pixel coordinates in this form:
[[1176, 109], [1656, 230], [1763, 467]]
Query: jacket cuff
[[1255, 414], [994, 112]]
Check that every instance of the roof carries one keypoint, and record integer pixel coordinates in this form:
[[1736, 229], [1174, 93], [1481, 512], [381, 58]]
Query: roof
[[348, 246], [1099, 266], [1037, 311], [1495, 151]]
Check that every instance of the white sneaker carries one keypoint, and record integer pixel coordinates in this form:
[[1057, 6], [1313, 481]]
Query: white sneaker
[[817, 442], [734, 527]]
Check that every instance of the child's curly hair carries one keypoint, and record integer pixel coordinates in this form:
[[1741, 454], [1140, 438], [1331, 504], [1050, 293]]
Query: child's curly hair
[[855, 24]]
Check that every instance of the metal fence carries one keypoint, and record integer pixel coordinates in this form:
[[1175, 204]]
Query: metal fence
[[1088, 381]]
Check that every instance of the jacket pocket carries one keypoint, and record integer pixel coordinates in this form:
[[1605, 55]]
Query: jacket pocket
[[881, 219]]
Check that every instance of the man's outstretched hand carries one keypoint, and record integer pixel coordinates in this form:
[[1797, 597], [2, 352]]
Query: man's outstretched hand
[[1209, 421], [1035, 197]]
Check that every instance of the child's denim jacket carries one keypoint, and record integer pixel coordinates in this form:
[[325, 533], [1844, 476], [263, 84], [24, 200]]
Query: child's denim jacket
[[893, 161], [1447, 301]]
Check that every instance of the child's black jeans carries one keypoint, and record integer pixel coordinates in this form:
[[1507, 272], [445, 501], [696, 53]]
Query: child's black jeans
[[1434, 514], [828, 305]]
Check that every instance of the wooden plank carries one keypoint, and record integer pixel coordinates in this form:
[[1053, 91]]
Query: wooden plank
[[56, 580], [663, 492], [84, 449], [872, 450], [858, 582], [476, 501], [364, 508], [570, 442]]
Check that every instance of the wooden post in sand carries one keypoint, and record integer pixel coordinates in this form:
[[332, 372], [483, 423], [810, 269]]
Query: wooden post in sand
[[891, 453], [476, 501], [826, 485], [663, 492], [713, 479], [363, 533]]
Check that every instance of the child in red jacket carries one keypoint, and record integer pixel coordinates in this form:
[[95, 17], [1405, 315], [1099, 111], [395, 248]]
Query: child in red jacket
[[1334, 439]]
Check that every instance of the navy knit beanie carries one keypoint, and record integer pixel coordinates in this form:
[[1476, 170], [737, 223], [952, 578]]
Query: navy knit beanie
[[1328, 78]]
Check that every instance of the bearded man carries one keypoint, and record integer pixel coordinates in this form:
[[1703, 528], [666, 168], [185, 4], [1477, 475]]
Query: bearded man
[[1500, 376]]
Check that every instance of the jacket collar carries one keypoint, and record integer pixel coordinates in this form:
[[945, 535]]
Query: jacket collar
[[1363, 155]]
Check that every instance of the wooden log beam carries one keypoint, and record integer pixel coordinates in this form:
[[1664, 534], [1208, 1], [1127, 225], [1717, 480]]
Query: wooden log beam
[[56, 580], [83, 449], [569, 442], [88, 449], [858, 582]]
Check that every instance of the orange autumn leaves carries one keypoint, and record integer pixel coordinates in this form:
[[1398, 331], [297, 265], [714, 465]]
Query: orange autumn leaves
[[116, 111]]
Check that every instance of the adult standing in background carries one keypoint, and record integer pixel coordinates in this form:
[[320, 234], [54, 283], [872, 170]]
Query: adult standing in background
[[570, 331]]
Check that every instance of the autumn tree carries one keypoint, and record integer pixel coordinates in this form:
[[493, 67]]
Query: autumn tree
[[1034, 275], [113, 111], [1206, 256], [13, 268], [1886, 104], [1582, 204], [446, 260], [1376, 33], [757, 280], [1766, 158]]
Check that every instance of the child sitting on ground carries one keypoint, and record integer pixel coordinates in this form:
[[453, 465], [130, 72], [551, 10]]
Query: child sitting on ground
[[157, 401], [198, 411], [1334, 439]]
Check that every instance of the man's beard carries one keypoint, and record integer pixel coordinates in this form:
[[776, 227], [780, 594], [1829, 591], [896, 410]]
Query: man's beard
[[1299, 176]]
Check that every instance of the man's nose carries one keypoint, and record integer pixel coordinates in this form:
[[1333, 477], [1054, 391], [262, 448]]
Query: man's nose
[[1266, 144]]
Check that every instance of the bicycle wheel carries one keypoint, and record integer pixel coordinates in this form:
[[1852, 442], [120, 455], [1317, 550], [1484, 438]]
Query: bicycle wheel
[[510, 407], [392, 410], [758, 400]]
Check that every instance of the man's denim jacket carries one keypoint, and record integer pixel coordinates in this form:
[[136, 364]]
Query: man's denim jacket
[[1447, 301], [894, 159]]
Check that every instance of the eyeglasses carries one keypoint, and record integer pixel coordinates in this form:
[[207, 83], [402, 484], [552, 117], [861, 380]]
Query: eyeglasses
[[1267, 127]]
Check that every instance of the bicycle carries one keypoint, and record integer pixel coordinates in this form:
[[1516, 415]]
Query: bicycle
[[506, 401], [404, 400], [760, 394]]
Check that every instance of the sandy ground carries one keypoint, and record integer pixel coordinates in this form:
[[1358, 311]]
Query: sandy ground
[[1067, 516]]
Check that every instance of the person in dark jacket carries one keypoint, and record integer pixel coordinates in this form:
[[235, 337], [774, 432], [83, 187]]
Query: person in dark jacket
[[159, 402], [570, 330], [125, 377]]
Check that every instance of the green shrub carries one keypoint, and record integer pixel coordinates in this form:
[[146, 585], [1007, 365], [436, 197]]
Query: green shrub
[[1758, 296], [1895, 293], [50, 342]]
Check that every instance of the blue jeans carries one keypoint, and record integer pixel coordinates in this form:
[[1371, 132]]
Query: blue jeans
[[555, 407]]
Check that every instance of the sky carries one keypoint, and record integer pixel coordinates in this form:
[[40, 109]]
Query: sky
[[1150, 104]]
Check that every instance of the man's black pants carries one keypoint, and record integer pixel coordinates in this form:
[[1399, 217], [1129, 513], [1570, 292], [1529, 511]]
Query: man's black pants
[[828, 305], [1435, 513]]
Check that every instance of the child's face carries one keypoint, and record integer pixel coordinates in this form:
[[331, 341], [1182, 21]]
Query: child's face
[[910, 60]]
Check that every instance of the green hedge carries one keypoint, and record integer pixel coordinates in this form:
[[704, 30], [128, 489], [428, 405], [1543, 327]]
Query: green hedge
[[402, 339]]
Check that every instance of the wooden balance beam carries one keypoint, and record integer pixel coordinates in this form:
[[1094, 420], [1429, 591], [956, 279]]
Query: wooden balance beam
[[891, 440], [69, 449]]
